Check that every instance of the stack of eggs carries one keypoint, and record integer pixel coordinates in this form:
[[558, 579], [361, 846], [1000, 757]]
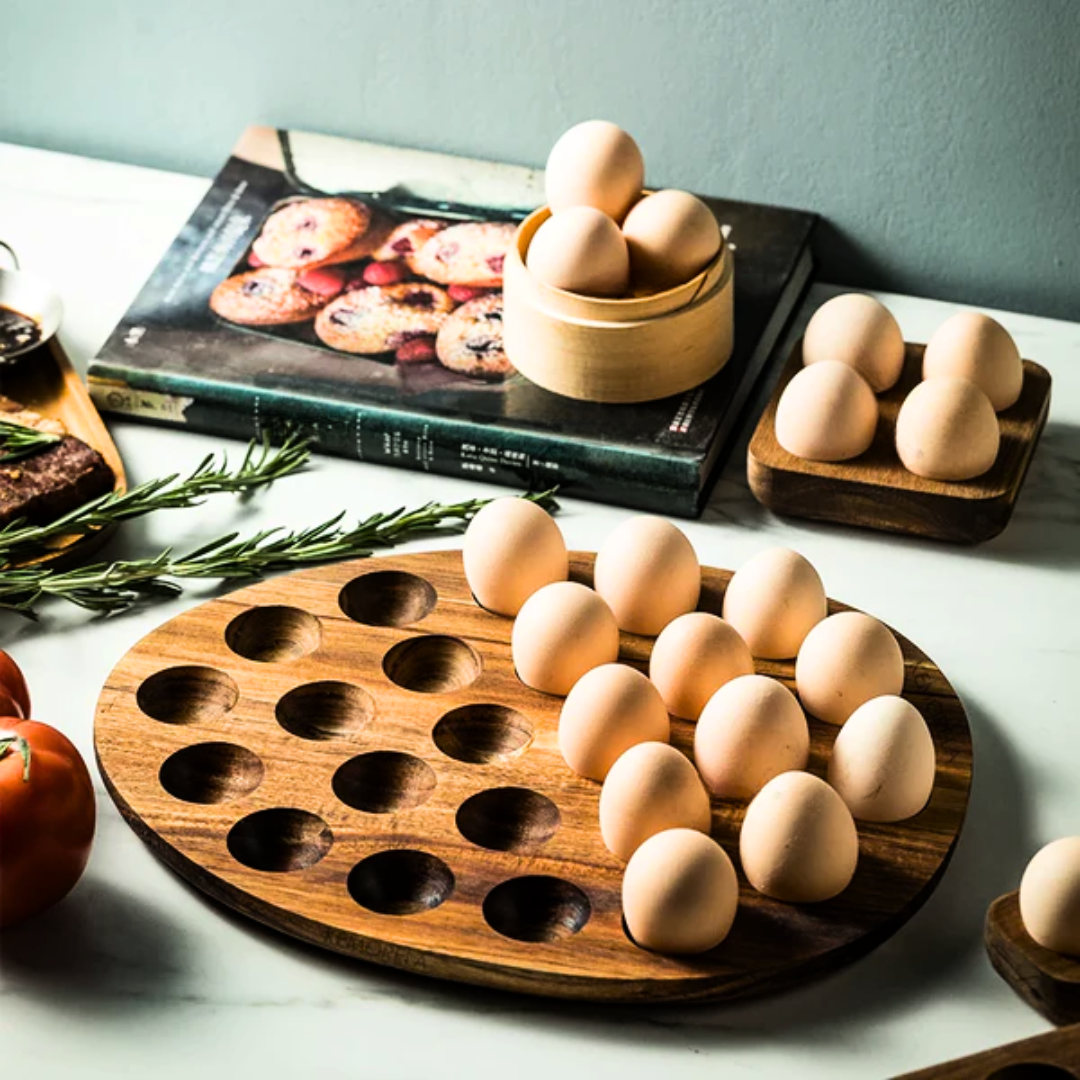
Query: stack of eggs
[[798, 841], [604, 238], [947, 427]]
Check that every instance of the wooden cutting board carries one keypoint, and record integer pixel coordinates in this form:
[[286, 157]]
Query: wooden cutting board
[[875, 491], [346, 754], [45, 381]]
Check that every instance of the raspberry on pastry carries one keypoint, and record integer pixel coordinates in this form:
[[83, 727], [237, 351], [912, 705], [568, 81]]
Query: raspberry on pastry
[[382, 318], [406, 239]]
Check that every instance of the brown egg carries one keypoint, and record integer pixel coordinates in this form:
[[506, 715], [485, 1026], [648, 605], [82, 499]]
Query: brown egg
[[827, 413], [562, 631], [751, 730], [1050, 897], [512, 547], [594, 164], [798, 841], [650, 788], [672, 235], [648, 572], [692, 658], [947, 430], [582, 251], [679, 893], [882, 762], [858, 331], [609, 709], [973, 346], [846, 660], [774, 600]]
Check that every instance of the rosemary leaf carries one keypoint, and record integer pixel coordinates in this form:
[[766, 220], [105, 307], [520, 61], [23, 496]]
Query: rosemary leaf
[[261, 465], [111, 587], [18, 441]]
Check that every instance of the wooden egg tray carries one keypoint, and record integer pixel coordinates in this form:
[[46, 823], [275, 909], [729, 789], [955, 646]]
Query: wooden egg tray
[[347, 755], [875, 491]]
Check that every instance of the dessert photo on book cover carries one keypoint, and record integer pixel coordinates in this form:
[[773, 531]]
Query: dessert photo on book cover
[[354, 291]]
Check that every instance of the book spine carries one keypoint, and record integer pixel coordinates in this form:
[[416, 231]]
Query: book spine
[[424, 443]]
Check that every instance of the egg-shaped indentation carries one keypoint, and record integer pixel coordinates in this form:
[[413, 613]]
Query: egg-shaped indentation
[[325, 710], [437, 664], [188, 694], [400, 882], [1031, 1070], [384, 782], [273, 634], [211, 772], [508, 819], [388, 598], [482, 733], [536, 908], [279, 839]]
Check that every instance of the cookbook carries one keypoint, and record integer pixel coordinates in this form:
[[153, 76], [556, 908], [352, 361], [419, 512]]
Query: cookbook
[[353, 291]]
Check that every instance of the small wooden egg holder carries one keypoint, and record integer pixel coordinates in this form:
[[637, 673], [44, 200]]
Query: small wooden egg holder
[[347, 755], [1047, 981], [627, 350], [875, 491]]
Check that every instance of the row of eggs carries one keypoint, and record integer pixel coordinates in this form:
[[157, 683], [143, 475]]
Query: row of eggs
[[603, 238], [798, 841], [947, 427]]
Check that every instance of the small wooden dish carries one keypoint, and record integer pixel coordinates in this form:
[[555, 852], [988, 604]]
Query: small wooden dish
[[875, 491], [346, 754], [45, 381], [1047, 981], [619, 351]]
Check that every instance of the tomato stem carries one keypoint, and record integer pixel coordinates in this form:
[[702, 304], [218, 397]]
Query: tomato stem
[[10, 740]]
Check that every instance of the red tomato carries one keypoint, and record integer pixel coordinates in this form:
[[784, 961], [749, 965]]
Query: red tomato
[[46, 818], [14, 685]]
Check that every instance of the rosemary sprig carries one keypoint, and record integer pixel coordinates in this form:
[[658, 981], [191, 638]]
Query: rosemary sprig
[[261, 465], [18, 441], [111, 587]]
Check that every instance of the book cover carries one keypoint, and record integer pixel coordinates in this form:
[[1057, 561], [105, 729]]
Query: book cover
[[354, 290]]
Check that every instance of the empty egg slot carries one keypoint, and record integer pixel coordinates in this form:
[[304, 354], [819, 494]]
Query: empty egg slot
[[188, 694], [325, 710], [482, 733], [388, 598], [508, 819], [401, 882], [273, 634], [279, 840], [537, 908], [384, 781], [436, 664], [212, 772]]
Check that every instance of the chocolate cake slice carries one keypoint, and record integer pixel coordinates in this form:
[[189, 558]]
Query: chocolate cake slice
[[58, 478]]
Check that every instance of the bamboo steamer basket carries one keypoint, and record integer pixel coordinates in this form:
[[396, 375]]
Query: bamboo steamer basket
[[634, 349]]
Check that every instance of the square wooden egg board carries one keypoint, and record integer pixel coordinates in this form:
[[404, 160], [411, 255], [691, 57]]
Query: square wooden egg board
[[346, 754], [875, 491]]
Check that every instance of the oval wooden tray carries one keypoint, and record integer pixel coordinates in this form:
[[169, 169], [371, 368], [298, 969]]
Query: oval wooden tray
[[45, 381], [346, 754]]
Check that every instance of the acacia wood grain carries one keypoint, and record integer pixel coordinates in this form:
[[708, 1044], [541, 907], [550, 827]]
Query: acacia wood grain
[[875, 491], [45, 381], [1047, 981], [387, 769]]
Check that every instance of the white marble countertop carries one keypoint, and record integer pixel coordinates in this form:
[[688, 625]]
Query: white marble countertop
[[135, 974]]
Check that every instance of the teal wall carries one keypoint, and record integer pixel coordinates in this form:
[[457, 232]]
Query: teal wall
[[940, 138]]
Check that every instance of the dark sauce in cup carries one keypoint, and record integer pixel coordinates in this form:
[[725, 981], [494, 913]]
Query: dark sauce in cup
[[17, 332]]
